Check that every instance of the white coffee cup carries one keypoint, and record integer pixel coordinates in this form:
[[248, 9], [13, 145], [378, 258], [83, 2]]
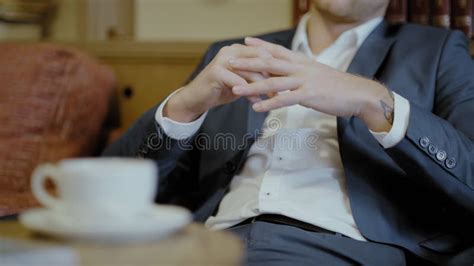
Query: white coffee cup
[[98, 186]]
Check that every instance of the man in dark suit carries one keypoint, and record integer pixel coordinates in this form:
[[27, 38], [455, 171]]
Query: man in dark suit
[[345, 141]]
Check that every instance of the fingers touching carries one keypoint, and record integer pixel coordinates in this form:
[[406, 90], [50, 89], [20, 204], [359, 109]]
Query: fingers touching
[[268, 86], [279, 101], [272, 65], [277, 51], [261, 68]]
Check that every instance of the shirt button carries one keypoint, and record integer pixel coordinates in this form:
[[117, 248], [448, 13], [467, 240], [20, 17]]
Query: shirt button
[[424, 142], [441, 155], [450, 163], [432, 149]]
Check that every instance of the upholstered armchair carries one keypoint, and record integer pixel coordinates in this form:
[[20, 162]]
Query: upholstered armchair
[[53, 102]]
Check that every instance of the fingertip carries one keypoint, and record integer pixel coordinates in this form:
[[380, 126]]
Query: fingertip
[[251, 41], [257, 107]]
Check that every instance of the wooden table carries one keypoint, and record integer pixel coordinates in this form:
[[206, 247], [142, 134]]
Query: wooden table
[[194, 245]]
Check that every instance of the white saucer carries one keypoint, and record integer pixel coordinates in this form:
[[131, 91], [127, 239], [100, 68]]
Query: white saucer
[[160, 221]]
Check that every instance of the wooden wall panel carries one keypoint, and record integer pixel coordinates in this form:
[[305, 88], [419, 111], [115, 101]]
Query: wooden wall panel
[[105, 19], [143, 85], [209, 20], [146, 72]]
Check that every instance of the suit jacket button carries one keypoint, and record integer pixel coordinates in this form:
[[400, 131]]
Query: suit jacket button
[[441, 155], [450, 163], [424, 142], [432, 149], [230, 168]]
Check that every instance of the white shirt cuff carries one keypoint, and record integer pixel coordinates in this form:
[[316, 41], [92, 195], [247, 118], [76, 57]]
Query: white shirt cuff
[[177, 130], [401, 118]]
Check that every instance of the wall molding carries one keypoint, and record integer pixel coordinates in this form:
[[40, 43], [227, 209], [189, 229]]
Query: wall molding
[[152, 52]]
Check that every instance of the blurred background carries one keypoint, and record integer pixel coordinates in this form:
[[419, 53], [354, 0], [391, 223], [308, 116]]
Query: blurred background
[[141, 20], [152, 45]]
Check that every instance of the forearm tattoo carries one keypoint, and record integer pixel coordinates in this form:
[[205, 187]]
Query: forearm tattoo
[[387, 108]]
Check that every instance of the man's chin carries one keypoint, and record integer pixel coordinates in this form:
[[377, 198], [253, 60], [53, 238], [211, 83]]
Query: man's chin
[[349, 11]]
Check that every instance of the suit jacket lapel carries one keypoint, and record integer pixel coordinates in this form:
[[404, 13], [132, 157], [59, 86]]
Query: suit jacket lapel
[[369, 59], [372, 52]]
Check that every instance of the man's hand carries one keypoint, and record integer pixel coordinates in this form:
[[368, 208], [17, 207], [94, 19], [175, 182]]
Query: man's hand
[[299, 80], [213, 86]]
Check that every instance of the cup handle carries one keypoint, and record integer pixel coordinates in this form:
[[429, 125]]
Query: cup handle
[[41, 174]]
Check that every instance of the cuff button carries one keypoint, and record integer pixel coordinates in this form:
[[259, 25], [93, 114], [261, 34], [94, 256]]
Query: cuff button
[[432, 149], [441, 155], [424, 142], [450, 163]]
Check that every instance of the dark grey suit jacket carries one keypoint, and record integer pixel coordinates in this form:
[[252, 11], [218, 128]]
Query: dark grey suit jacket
[[418, 195]]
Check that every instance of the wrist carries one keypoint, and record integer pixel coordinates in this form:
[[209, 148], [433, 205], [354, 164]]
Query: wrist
[[377, 109], [181, 110]]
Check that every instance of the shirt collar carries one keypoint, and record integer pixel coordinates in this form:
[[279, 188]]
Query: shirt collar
[[301, 43]]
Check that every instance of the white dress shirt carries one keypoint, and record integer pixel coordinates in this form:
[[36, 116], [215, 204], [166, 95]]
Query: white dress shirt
[[294, 168]]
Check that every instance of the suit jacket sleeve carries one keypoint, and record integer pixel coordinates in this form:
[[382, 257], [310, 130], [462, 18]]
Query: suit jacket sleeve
[[177, 160], [438, 148]]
